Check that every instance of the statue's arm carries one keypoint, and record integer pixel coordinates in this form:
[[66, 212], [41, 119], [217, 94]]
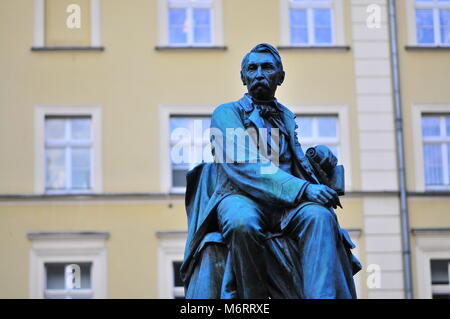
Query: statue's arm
[[277, 187]]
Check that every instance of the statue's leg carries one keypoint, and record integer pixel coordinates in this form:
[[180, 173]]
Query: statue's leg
[[242, 224], [326, 268]]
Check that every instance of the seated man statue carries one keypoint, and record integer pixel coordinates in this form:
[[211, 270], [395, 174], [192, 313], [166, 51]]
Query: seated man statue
[[245, 205]]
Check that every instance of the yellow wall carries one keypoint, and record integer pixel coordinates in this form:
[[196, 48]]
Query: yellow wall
[[130, 79], [424, 77], [131, 248]]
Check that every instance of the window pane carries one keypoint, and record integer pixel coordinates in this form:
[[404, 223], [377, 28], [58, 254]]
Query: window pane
[[55, 168], [433, 164], [431, 126], [55, 275], [179, 178], [322, 26], [202, 25], [202, 35], [304, 126], [425, 26], [327, 126], [445, 26], [176, 274], [298, 26], [448, 160], [299, 31], [322, 17], [81, 128], [439, 272], [444, 18], [299, 35], [55, 128], [178, 27], [447, 125], [322, 35], [81, 160], [298, 17], [424, 18]]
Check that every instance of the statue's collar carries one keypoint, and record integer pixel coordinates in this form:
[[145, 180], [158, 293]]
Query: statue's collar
[[247, 104]]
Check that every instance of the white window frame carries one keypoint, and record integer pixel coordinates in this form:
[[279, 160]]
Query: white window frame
[[39, 23], [170, 249], [337, 22], [216, 24], [341, 111], [165, 113], [64, 247], [418, 110], [334, 141], [430, 244], [411, 7], [92, 111]]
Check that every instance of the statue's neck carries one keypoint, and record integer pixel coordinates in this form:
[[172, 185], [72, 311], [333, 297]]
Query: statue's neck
[[270, 102]]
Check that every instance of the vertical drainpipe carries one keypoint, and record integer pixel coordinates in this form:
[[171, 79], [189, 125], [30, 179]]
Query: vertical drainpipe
[[406, 249]]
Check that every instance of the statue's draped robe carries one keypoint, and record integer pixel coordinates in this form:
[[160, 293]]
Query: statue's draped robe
[[208, 184]]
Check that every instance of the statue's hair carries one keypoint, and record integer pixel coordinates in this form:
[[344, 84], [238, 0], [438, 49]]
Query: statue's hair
[[264, 48]]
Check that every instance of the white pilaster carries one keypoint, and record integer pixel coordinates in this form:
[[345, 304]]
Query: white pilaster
[[377, 148]]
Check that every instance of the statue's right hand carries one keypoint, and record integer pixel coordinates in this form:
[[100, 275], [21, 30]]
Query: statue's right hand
[[322, 194]]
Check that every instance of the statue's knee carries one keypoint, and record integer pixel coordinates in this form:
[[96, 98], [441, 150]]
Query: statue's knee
[[239, 216], [245, 224], [319, 215]]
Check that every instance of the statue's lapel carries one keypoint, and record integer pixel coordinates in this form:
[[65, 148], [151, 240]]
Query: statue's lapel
[[256, 119]]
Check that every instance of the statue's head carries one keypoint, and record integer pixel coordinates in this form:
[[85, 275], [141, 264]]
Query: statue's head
[[262, 71]]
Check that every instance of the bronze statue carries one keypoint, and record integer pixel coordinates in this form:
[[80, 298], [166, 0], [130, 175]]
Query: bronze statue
[[260, 234]]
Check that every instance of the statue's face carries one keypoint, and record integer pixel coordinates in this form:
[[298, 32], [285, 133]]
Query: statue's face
[[261, 75]]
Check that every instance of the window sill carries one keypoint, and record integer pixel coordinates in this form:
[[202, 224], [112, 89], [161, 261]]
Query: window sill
[[315, 47], [427, 47], [431, 192], [67, 48], [189, 48]]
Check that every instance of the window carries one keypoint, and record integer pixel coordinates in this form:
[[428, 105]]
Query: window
[[68, 149], [170, 259], [318, 130], [189, 146], [57, 285], [440, 278], [312, 23], [68, 153], [436, 150], [66, 23], [178, 289], [70, 265], [191, 23], [432, 22], [432, 262]]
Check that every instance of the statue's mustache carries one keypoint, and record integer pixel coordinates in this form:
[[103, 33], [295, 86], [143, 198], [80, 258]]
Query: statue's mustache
[[263, 83]]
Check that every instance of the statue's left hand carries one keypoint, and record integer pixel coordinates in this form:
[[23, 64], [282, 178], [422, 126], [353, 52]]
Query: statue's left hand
[[322, 194]]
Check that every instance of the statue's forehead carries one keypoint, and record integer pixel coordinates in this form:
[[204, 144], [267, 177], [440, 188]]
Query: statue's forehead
[[261, 57]]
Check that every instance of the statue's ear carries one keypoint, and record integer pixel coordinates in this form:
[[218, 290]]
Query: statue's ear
[[281, 80], [243, 79]]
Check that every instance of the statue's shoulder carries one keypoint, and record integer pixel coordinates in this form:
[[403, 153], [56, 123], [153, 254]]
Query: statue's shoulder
[[228, 107]]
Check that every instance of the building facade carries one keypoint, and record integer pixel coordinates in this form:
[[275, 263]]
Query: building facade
[[95, 92]]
